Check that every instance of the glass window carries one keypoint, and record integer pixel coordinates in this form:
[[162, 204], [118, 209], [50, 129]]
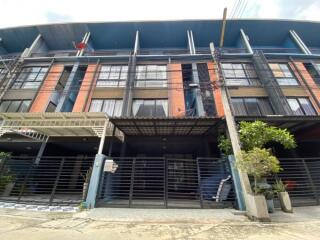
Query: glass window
[[313, 70], [295, 106], [307, 106], [3, 72], [15, 106], [283, 74], [238, 107], [301, 106], [239, 74], [112, 107], [151, 76], [150, 108], [30, 77], [4, 106], [251, 106], [112, 76]]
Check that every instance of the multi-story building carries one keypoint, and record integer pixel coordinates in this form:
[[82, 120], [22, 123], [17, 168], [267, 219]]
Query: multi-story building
[[154, 97]]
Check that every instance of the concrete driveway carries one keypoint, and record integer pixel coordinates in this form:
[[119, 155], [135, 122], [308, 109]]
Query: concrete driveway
[[161, 224]]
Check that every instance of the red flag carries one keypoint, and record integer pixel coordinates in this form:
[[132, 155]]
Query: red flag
[[81, 46]]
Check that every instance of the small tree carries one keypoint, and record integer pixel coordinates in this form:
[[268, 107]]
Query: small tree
[[258, 163], [258, 134]]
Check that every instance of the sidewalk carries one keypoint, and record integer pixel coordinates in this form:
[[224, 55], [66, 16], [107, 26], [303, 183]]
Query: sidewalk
[[164, 224]]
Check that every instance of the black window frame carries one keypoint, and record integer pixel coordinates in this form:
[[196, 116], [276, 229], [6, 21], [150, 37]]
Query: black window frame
[[151, 82], [252, 81], [259, 104], [314, 73], [154, 113], [103, 102], [112, 82], [301, 106], [22, 79], [21, 101], [293, 76]]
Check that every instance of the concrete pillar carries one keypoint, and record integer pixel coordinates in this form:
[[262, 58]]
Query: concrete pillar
[[40, 152], [94, 180]]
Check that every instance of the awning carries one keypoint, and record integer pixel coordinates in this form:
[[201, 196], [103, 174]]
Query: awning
[[40, 126], [166, 126], [293, 123]]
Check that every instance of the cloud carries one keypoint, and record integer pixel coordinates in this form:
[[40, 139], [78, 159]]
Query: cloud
[[56, 17], [20, 12]]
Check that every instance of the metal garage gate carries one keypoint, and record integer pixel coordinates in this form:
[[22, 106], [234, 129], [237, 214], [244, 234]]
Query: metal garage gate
[[45, 181], [165, 183], [302, 176]]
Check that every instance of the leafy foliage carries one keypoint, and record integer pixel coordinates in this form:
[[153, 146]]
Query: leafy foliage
[[279, 186], [6, 177], [258, 163], [224, 145], [257, 134]]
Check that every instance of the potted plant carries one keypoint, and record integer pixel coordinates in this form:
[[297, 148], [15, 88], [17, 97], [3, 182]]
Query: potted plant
[[258, 163], [7, 178], [86, 179], [281, 189]]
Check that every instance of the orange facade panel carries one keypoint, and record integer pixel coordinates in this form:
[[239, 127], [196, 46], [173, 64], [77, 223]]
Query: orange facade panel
[[216, 91], [176, 93], [309, 81], [42, 99], [83, 99]]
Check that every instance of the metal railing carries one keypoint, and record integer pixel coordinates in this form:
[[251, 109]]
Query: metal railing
[[164, 183], [302, 176], [46, 180]]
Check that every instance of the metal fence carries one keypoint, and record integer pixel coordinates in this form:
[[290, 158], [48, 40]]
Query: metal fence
[[164, 183], [302, 176], [49, 180]]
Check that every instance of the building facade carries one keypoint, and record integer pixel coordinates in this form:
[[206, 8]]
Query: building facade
[[150, 99]]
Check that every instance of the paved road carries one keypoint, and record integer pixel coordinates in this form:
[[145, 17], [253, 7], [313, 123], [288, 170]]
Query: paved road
[[162, 224]]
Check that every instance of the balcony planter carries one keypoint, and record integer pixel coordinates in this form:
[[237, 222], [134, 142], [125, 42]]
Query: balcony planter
[[8, 189], [285, 202], [284, 199], [257, 208], [85, 190]]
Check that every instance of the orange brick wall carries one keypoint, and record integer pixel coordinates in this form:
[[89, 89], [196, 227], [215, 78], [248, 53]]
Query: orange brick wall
[[43, 97], [309, 81], [216, 91], [176, 94], [83, 98]]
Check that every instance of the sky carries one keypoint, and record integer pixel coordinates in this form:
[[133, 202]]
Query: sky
[[30, 12]]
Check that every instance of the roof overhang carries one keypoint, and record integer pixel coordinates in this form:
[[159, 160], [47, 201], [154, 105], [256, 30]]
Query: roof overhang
[[40, 126], [293, 123], [166, 126]]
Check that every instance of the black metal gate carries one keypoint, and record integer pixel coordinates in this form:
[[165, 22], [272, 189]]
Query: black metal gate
[[164, 183], [49, 180], [302, 176]]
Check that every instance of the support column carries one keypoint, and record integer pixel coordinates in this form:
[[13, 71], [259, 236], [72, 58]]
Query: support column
[[243, 186], [40, 152], [245, 41], [299, 42], [96, 171]]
